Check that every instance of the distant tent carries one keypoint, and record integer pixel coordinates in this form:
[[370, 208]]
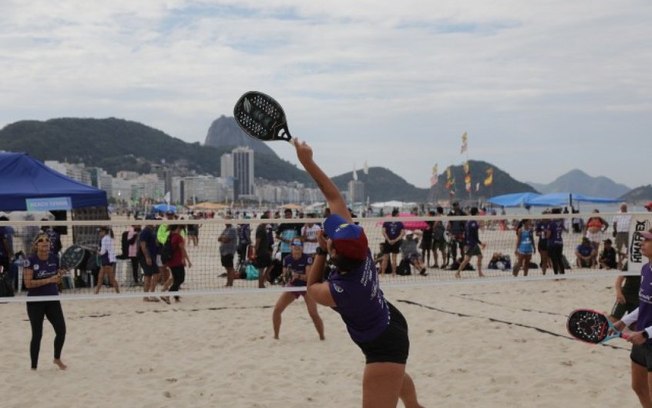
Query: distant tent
[[23, 177], [513, 200], [164, 207], [559, 199]]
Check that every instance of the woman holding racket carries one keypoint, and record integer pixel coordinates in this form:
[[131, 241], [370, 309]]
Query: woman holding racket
[[107, 260], [353, 291], [42, 278], [641, 354]]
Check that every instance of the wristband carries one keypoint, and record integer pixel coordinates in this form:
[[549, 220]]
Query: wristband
[[320, 251]]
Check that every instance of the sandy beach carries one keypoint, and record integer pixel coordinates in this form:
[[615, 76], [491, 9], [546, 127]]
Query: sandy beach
[[485, 345]]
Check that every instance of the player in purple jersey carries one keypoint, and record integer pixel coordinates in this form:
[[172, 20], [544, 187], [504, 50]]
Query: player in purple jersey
[[353, 291], [296, 266], [42, 277], [641, 354]]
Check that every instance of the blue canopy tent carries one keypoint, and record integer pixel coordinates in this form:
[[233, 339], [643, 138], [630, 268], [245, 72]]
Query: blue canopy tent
[[513, 200], [559, 199], [23, 178]]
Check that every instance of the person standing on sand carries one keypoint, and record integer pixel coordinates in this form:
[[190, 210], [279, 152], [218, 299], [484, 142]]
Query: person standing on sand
[[641, 354], [42, 277], [353, 291], [473, 245]]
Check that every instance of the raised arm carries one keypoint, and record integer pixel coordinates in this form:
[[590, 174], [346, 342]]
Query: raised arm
[[333, 197]]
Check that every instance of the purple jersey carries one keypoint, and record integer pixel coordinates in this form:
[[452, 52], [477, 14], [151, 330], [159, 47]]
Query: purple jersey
[[556, 229], [645, 299], [393, 228], [43, 270], [360, 301], [297, 266], [472, 236]]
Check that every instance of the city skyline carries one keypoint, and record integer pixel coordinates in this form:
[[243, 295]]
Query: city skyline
[[541, 88]]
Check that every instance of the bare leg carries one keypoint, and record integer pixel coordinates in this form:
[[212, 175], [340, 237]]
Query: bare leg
[[114, 283], [409, 393], [314, 315], [465, 262], [394, 256], [230, 276], [641, 384], [382, 384], [283, 301], [383, 265], [100, 280], [480, 274]]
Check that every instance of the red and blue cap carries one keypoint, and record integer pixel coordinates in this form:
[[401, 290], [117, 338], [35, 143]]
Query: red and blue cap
[[349, 240]]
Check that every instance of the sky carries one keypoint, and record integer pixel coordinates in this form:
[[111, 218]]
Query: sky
[[541, 87]]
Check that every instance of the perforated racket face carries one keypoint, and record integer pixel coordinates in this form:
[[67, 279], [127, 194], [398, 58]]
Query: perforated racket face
[[260, 116], [72, 257], [588, 326]]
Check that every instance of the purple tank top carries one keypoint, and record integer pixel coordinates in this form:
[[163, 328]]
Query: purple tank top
[[43, 270], [645, 299], [360, 301]]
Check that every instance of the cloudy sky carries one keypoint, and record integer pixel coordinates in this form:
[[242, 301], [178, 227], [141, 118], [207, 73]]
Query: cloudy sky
[[541, 87]]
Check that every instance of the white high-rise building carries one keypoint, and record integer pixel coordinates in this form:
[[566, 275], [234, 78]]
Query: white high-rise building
[[243, 172], [226, 165]]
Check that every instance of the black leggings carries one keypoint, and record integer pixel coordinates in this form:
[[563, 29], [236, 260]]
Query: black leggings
[[557, 258], [134, 269], [36, 312], [178, 277]]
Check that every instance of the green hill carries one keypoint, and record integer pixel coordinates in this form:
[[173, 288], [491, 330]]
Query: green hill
[[383, 185], [117, 144], [502, 183]]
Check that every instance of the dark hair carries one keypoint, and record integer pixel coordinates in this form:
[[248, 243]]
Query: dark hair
[[556, 211], [474, 210], [394, 212], [345, 265], [440, 209]]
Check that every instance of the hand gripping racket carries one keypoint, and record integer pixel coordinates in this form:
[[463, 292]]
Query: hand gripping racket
[[592, 327], [72, 257], [261, 117]]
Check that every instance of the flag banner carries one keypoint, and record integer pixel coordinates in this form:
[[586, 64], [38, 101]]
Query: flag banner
[[366, 168], [490, 177], [466, 167], [435, 169], [477, 187], [465, 143], [433, 181]]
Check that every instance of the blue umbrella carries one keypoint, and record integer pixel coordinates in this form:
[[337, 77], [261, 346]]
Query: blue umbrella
[[164, 207]]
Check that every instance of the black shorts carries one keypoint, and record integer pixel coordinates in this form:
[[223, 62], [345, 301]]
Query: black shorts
[[263, 260], [642, 355], [148, 270], [543, 245], [393, 345], [394, 248], [619, 309], [227, 260]]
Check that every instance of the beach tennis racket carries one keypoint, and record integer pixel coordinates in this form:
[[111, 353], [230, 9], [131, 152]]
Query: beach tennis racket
[[591, 327], [72, 257], [261, 117]]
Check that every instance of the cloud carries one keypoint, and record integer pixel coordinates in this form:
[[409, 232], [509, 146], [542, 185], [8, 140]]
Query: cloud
[[374, 76]]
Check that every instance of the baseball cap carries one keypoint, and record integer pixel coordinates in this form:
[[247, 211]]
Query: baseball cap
[[349, 240], [296, 242], [647, 235]]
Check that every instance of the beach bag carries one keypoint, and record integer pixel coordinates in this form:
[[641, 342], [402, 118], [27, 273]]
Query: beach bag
[[403, 268], [251, 272], [6, 288]]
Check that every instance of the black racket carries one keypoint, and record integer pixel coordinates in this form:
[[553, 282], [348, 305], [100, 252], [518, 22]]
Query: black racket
[[261, 117], [72, 257], [591, 327]]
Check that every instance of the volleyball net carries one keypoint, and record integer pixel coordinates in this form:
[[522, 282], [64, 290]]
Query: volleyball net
[[429, 253]]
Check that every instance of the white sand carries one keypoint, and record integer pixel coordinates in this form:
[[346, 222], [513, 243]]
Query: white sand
[[219, 352]]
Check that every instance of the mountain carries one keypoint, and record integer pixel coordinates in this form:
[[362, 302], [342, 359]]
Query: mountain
[[225, 132], [641, 194], [577, 181], [502, 183], [382, 184], [117, 144]]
